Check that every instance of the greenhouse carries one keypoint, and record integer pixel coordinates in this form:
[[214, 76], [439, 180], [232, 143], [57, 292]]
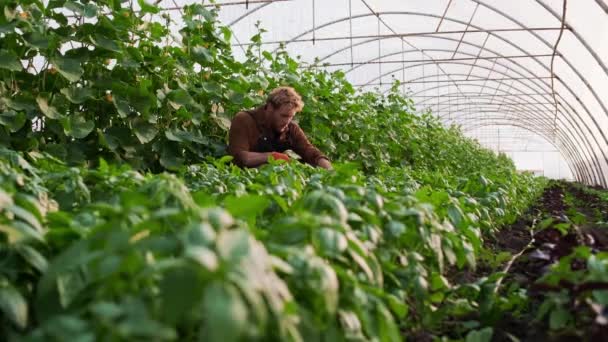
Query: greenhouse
[[303, 170]]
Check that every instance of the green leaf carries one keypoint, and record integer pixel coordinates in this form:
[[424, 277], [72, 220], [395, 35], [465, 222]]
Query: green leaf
[[75, 7], [77, 94], [122, 106], [19, 231], [200, 10], [222, 121], [48, 110], [12, 120], [181, 136], [398, 306], [33, 257], [88, 10], [144, 131], [25, 215], [78, 126], [68, 68], [106, 310], [202, 55], [483, 335], [233, 246], [330, 242], [227, 34], [246, 207], [147, 8], [455, 214], [105, 43], [9, 61], [13, 305], [181, 291], [24, 102], [225, 313], [395, 228], [559, 318], [203, 256], [180, 97], [37, 40]]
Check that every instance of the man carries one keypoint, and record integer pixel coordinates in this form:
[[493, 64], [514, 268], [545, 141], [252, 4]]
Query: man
[[268, 131]]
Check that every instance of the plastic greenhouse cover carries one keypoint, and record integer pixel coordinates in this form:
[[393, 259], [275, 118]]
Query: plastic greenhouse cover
[[521, 64]]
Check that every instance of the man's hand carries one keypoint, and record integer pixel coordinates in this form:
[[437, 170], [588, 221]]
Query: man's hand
[[277, 156], [324, 163]]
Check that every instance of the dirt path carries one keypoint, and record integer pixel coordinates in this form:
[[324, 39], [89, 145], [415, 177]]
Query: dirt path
[[565, 218]]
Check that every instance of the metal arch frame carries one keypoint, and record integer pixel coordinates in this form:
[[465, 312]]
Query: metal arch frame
[[515, 46], [602, 5], [581, 170], [579, 166], [495, 35], [569, 64], [575, 173], [565, 59], [593, 153], [374, 60], [483, 48], [570, 128], [591, 51], [590, 150], [539, 125]]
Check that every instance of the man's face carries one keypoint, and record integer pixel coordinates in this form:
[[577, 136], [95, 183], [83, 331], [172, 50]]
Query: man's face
[[279, 118]]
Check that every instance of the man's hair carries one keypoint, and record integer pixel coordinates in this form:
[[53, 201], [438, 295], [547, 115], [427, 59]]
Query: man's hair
[[285, 95]]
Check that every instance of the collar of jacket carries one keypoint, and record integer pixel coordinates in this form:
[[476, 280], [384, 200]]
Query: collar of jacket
[[261, 120]]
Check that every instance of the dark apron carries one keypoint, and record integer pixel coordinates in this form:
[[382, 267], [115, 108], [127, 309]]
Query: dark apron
[[269, 142]]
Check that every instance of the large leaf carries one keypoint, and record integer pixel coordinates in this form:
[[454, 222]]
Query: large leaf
[[78, 127], [181, 136], [246, 207], [19, 231], [88, 10], [202, 55], [68, 68], [37, 40], [181, 291], [48, 110], [330, 242], [122, 106], [33, 257], [77, 94], [146, 7], [13, 305], [12, 120], [144, 131], [9, 61], [105, 43], [180, 97], [225, 313]]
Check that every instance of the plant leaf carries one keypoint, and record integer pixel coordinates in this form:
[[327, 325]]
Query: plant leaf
[[144, 131], [12, 120], [48, 110], [13, 305], [68, 68], [9, 61]]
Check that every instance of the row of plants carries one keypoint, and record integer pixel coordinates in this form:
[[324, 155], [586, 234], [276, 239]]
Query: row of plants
[[576, 285], [221, 253], [122, 220]]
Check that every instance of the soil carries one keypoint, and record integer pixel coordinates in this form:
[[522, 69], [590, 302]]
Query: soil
[[543, 248]]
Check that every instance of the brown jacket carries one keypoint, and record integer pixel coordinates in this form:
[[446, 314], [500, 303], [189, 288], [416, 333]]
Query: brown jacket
[[250, 133]]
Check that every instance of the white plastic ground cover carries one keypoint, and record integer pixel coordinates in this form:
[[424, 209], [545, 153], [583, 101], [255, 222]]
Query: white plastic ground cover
[[519, 64]]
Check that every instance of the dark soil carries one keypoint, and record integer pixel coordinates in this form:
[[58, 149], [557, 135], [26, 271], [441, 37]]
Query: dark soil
[[544, 247]]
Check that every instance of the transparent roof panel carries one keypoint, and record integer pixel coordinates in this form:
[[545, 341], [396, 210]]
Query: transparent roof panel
[[528, 67]]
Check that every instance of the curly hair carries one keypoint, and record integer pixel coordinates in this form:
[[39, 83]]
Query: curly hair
[[285, 95]]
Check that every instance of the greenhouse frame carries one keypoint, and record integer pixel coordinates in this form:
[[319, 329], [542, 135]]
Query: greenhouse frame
[[537, 67]]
